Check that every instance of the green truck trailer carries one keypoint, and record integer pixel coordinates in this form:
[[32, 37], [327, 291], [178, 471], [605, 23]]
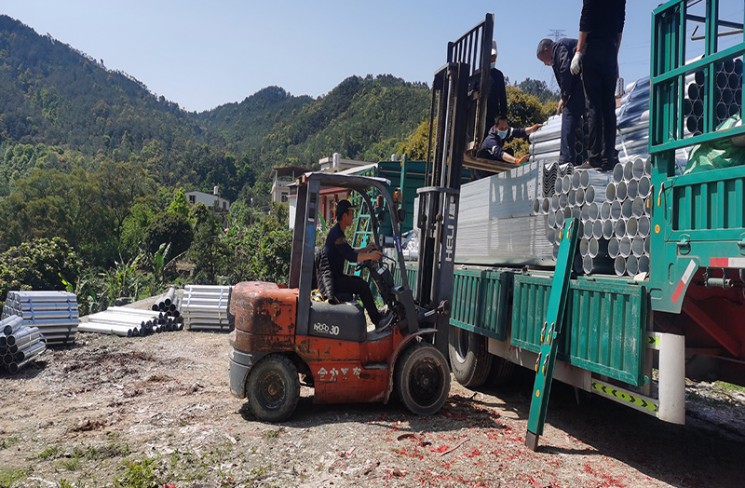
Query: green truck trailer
[[633, 340]]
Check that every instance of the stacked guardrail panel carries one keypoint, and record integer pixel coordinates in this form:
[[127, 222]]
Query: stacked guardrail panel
[[19, 345], [55, 313], [727, 92], [205, 307]]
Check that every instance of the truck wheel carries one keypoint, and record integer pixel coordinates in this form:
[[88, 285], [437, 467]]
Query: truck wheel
[[469, 357], [273, 389], [422, 379]]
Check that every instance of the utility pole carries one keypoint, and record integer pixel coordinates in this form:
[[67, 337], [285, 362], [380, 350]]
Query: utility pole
[[556, 34]]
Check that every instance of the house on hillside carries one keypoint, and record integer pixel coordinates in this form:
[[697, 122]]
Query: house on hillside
[[282, 180], [213, 201]]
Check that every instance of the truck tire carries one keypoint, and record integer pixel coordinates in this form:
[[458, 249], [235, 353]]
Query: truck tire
[[273, 389], [469, 359], [422, 379]]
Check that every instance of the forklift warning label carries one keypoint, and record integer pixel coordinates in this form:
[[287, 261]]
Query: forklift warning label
[[334, 374]]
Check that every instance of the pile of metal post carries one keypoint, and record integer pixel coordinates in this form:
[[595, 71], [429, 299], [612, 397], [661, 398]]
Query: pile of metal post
[[55, 313], [168, 303], [19, 345], [727, 93], [129, 322], [205, 307]]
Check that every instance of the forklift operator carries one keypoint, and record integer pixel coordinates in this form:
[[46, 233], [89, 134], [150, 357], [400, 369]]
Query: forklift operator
[[338, 249]]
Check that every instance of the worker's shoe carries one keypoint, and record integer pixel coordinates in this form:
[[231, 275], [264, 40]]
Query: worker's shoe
[[585, 165], [608, 166], [385, 321]]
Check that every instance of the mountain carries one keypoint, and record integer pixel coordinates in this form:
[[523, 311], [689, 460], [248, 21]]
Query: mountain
[[59, 108]]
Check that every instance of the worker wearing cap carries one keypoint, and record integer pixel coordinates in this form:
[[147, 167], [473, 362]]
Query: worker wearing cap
[[338, 250], [496, 102], [596, 57], [559, 56]]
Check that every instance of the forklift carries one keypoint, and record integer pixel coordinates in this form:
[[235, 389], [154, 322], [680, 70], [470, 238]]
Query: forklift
[[281, 334]]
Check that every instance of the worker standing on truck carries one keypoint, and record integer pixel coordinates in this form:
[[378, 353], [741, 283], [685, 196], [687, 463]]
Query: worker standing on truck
[[338, 250], [559, 56], [496, 102], [600, 31], [493, 146]]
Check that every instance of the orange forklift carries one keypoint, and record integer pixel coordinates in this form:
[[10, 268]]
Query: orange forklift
[[281, 334]]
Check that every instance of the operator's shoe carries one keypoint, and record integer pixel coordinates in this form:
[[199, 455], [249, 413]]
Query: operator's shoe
[[385, 321]]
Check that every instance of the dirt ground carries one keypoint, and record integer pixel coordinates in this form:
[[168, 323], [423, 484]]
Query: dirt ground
[[156, 411]]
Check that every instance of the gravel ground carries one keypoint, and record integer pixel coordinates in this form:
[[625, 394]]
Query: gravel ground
[[156, 411]]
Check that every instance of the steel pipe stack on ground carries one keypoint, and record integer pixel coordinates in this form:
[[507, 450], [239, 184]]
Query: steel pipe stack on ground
[[19, 345], [206, 307], [55, 313], [129, 322]]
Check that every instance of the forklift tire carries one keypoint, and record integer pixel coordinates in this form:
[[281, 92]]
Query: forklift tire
[[469, 358], [273, 389], [422, 379]]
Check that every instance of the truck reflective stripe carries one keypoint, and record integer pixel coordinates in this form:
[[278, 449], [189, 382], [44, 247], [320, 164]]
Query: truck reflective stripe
[[727, 263], [687, 275]]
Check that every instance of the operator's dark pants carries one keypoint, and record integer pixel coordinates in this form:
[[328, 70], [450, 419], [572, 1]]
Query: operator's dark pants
[[599, 74], [358, 286], [571, 125]]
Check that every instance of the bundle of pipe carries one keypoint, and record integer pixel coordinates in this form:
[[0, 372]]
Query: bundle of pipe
[[19, 345], [545, 144], [581, 195], [55, 313], [727, 93], [205, 307], [552, 172], [129, 322], [627, 213]]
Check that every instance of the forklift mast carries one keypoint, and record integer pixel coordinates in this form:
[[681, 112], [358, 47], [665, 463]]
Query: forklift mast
[[457, 120]]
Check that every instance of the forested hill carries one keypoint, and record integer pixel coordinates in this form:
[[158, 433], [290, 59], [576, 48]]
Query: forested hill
[[56, 99], [50, 93]]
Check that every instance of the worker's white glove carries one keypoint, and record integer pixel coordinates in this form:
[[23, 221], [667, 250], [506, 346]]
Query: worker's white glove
[[576, 67]]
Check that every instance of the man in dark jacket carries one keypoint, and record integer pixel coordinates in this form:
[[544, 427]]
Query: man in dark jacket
[[338, 250], [596, 57], [496, 102], [559, 55], [493, 146]]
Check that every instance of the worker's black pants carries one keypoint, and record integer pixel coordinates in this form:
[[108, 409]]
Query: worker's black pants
[[571, 125], [358, 286], [599, 74]]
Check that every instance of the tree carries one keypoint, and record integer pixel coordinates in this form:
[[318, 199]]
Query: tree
[[416, 145], [41, 264], [207, 252], [134, 230], [170, 228], [539, 89], [179, 205]]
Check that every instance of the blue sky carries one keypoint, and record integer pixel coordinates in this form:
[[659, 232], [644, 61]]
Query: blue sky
[[201, 54]]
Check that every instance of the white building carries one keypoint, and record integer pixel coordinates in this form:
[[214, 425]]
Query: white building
[[214, 202]]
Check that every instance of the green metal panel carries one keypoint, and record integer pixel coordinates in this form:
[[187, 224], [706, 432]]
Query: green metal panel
[[480, 301], [701, 216], [607, 319]]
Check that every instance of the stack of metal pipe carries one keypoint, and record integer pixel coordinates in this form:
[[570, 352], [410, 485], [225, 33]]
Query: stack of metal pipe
[[580, 194], [727, 93], [545, 144], [626, 217], [167, 302], [19, 345], [205, 307], [55, 313], [129, 322]]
